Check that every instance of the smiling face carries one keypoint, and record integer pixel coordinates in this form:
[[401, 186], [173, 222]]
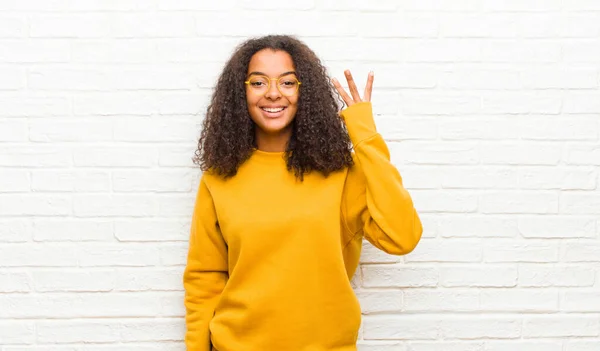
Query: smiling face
[[272, 111]]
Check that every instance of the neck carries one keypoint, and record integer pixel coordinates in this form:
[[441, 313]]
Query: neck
[[272, 142]]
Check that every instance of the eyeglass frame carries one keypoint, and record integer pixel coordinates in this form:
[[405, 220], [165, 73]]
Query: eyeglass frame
[[247, 82]]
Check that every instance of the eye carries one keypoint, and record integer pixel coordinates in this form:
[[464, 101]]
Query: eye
[[257, 84]]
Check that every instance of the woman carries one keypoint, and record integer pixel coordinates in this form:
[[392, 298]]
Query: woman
[[283, 205]]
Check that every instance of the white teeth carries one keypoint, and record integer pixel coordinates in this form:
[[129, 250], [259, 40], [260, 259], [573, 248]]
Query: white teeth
[[273, 109]]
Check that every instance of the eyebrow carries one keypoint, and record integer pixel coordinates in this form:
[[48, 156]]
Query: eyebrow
[[264, 74]]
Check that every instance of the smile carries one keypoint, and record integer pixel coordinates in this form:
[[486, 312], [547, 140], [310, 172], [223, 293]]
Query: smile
[[273, 110]]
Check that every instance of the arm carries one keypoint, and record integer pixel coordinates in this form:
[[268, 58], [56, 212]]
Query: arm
[[205, 273], [375, 202]]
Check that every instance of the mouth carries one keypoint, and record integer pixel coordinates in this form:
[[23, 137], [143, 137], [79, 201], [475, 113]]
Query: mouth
[[273, 112]]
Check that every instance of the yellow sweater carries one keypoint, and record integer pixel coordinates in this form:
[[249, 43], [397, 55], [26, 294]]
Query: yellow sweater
[[270, 259]]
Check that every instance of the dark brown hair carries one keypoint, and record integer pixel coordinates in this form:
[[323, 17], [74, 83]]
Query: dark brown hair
[[319, 140]]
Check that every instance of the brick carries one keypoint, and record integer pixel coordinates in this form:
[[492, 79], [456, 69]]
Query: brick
[[269, 5], [521, 301], [153, 25], [12, 26], [153, 230], [453, 250], [440, 104], [555, 326], [27, 255], [583, 154], [70, 181], [33, 106], [35, 205], [559, 78], [557, 227], [446, 50], [522, 5], [580, 301], [523, 345], [123, 255], [403, 327], [70, 130], [15, 230], [486, 128], [35, 156], [583, 102], [12, 78], [539, 102], [12, 282], [63, 229], [120, 51], [477, 26], [454, 201], [522, 153], [13, 130], [73, 280], [580, 203], [398, 24], [191, 5], [529, 51], [559, 128], [468, 276], [176, 155], [394, 128], [581, 51], [478, 327], [14, 181], [107, 205], [144, 279], [574, 178], [157, 181], [447, 346], [210, 24], [434, 153], [17, 332], [470, 226], [115, 156], [480, 178], [173, 254], [156, 130], [427, 300], [519, 202], [376, 301], [81, 306], [379, 276], [581, 345], [30, 51], [583, 251], [81, 331], [560, 276], [70, 26], [520, 252]]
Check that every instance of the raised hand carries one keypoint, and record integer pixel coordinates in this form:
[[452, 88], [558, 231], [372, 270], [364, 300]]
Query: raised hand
[[350, 100]]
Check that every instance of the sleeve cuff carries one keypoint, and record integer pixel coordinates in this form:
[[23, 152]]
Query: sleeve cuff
[[359, 121]]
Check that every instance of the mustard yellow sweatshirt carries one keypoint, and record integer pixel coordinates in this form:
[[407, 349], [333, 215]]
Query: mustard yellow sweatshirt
[[270, 259]]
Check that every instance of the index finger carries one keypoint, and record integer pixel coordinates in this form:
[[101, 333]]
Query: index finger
[[369, 86]]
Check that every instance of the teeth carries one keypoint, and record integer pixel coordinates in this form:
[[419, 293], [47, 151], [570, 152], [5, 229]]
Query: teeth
[[273, 109]]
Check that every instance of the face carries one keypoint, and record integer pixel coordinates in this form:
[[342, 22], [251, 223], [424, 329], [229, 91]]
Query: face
[[272, 111]]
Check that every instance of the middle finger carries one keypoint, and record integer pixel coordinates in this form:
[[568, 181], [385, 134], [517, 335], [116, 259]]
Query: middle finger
[[352, 86]]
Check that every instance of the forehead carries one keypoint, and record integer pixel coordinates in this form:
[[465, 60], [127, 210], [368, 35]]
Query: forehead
[[271, 62]]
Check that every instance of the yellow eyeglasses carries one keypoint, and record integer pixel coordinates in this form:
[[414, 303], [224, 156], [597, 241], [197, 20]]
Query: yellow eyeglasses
[[260, 85]]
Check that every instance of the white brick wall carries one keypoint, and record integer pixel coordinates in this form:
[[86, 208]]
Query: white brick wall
[[491, 109]]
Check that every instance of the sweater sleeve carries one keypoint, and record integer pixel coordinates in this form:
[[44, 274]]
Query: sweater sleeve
[[206, 271], [375, 203]]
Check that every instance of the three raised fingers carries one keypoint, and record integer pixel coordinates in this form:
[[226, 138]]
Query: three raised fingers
[[349, 100]]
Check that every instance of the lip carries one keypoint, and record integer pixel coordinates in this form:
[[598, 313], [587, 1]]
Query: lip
[[273, 114]]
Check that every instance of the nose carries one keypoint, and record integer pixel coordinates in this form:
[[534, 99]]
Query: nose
[[273, 93]]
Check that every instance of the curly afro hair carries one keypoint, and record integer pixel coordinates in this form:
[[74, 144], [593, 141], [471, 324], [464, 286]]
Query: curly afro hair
[[319, 140]]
